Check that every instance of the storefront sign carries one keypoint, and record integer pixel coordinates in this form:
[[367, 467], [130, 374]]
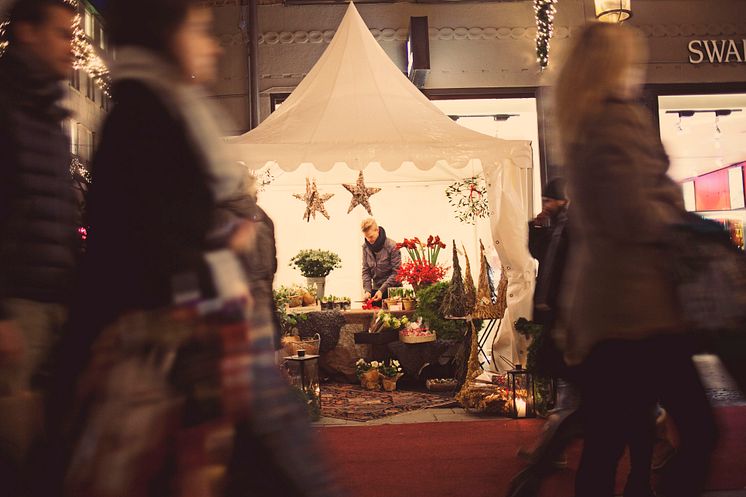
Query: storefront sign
[[717, 51]]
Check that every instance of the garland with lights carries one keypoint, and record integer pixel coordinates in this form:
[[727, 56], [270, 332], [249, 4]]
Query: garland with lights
[[86, 58], [545, 11]]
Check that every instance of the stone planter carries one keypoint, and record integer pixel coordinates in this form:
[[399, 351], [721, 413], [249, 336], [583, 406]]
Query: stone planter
[[319, 283], [370, 379]]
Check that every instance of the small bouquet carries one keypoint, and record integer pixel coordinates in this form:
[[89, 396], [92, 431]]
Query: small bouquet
[[386, 321]]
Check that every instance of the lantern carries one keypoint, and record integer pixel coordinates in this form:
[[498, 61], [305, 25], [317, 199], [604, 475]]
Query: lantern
[[521, 400], [303, 371], [613, 11]]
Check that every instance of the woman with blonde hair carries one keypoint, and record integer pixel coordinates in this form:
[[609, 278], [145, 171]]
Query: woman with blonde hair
[[620, 319]]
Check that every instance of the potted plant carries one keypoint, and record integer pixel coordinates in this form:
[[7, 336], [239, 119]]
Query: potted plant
[[345, 303], [390, 372], [422, 269], [316, 265], [327, 303], [408, 300], [368, 374]]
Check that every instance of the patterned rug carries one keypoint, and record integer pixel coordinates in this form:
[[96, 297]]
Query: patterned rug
[[354, 403]]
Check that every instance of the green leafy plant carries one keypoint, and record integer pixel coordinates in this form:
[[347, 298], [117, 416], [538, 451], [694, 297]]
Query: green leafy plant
[[429, 303], [288, 322], [314, 263], [362, 366], [536, 333]]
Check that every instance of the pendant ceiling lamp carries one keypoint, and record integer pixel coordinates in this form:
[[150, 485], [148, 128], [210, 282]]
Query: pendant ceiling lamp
[[613, 11]]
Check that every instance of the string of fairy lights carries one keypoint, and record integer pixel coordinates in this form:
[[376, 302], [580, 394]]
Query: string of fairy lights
[[545, 11], [85, 56]]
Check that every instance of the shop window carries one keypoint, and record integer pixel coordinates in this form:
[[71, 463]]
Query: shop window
[[101, 39], [703, 136], [509, 119]]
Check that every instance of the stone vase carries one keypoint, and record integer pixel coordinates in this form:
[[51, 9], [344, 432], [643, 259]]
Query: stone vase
[[319, 284]]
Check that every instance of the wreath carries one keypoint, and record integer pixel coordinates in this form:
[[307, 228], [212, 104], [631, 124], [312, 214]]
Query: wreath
[[468, 197]]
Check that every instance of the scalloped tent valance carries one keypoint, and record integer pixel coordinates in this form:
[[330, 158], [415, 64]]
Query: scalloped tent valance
[[356, 107]]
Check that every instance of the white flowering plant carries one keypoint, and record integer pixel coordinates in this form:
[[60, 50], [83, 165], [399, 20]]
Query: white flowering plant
[[362, 366], [390, 369]]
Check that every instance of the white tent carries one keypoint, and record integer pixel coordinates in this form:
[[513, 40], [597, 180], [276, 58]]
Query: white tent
[[356, 110]]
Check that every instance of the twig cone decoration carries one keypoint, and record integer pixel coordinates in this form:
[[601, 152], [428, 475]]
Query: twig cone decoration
[[473, 370], [454, 303], [470, 290], [485, 308]]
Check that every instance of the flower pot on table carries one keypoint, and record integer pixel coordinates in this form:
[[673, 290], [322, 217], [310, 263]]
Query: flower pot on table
[[319, 284]]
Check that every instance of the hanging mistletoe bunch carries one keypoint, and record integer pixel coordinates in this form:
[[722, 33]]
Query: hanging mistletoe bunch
[[469, 199], [263, 179], [545, 11]]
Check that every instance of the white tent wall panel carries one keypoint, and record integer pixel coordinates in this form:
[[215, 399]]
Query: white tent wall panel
[[405, 208]]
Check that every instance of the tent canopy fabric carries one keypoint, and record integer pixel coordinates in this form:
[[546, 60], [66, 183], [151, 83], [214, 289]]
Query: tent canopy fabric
[[356, 107]]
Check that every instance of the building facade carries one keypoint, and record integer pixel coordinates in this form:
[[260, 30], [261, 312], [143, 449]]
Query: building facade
[[484, 72], [87, 98]]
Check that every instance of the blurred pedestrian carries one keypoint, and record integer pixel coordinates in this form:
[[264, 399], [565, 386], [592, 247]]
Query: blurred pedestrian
[[620, 318], [162, 237], [38, 213], [549, 240]]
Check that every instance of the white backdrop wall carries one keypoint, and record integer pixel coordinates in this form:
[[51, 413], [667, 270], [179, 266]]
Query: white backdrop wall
[[411, 203]]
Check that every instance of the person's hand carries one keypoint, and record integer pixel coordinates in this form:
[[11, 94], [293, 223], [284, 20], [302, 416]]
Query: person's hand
[[366, 296], [543, 219], [243, 237], [11, 343], [378, 296]]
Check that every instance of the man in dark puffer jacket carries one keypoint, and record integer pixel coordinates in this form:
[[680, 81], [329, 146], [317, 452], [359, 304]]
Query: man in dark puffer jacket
[[38, 211]]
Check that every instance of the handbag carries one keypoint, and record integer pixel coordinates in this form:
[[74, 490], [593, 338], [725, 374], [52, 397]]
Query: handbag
[[710, 277]]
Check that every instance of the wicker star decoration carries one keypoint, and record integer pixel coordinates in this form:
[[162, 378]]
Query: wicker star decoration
[[314, 200], [361, 194]]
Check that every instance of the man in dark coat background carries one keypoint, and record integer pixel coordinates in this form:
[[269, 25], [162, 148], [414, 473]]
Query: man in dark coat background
[[38, 210]]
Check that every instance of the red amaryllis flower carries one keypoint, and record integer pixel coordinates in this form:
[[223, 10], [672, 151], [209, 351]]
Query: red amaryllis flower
[[417, 273]]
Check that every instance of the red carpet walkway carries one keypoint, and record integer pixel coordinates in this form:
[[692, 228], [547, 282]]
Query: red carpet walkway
[[477, 459]]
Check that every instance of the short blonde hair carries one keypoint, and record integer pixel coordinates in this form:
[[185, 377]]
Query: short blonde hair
[[368, 224]]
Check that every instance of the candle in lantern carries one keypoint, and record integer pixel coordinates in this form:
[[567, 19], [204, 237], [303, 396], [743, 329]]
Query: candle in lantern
[[520, 407]]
